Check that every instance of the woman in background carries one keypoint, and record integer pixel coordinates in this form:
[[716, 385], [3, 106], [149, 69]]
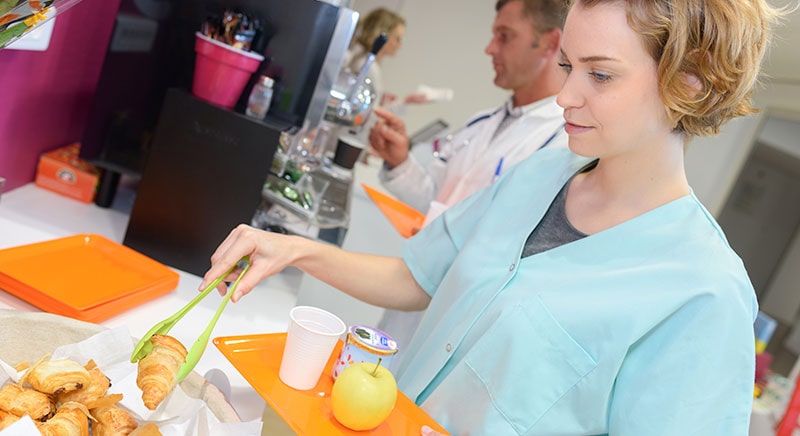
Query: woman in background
[[369, 27], [587, 291]]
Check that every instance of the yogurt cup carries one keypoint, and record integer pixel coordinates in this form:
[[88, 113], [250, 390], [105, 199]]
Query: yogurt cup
[[365, 344]]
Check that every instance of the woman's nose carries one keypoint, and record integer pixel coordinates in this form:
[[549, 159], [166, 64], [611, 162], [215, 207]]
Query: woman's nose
[[569, 95]]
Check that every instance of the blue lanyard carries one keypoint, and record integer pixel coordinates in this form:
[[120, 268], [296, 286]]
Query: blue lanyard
[[546, 143], [552, 137]]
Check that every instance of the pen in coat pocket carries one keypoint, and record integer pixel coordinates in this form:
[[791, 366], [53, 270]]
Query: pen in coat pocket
[[498, 170]]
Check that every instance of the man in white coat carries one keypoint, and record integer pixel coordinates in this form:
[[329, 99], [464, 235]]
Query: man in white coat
[[525, 51]]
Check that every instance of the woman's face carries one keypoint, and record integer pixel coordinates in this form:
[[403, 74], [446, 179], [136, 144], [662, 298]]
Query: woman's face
[[610, 97], [394, 41]]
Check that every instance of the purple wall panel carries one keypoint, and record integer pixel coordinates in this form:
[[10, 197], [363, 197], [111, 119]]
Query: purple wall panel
[[45, 96]]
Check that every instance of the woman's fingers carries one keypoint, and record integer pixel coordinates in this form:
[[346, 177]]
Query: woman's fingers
[[239, 243]]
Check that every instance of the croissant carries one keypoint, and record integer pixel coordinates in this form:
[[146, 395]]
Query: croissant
[[20, 401], [57, 376], [97, 388], [158, 371], [112, 421], [70, 420], [148, 429]]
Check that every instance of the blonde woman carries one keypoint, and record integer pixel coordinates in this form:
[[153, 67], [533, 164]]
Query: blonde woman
[[587, 292], [369, 27]]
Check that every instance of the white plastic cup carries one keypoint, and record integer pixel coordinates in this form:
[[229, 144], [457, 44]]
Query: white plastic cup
[[312, 336]]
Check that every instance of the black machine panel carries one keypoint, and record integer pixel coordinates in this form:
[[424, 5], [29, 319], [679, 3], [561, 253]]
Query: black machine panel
[[203, 177]]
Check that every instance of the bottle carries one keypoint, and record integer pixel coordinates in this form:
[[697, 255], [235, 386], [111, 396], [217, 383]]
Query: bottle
[[260, 98], [353, 96]]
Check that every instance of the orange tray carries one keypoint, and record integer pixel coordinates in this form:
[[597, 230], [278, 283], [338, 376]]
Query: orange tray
[[85, 276], [403, 217], [258, 359]]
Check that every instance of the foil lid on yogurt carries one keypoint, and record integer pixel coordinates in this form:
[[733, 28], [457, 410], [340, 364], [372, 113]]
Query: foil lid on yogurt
[[374, 339]]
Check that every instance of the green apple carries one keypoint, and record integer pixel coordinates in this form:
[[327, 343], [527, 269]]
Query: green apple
[[363, 396]]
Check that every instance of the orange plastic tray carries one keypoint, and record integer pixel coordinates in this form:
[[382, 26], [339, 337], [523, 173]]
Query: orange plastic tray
[[85, 276], [403, 217], [258, 359]]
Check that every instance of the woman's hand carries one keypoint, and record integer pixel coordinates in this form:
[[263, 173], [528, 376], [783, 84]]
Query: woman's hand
[[269, 254], [416, 98], [388, 98], [353, 273]]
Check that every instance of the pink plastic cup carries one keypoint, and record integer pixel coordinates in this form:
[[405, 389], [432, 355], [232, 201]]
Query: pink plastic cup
[[221, 72]]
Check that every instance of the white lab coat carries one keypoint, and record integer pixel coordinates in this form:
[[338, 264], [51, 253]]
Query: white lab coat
[[471, 165], [473, 156]]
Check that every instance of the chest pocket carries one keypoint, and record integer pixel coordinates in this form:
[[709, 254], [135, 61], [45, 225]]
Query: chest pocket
[[519, 368]]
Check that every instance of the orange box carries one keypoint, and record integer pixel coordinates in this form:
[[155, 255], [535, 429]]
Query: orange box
[[62, 171]]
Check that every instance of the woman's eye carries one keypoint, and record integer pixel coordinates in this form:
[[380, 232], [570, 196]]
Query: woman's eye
[[565, 66], [600, 77]]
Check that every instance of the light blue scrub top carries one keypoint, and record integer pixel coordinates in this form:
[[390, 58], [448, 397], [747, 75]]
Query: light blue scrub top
[[643, 329]]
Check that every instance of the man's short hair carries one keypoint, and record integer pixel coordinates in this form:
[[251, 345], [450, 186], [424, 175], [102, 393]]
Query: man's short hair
[[545, 14]]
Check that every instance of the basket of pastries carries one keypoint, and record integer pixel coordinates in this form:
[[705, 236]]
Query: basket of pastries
[[64, 396]]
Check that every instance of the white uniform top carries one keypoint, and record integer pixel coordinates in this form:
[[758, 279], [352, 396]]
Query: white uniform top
[[471, 160]]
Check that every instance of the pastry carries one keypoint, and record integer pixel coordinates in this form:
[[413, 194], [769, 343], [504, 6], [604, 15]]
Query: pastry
[[57, 376], [158, 371], [148, 429], [112, 421], [72, 419], [7, 419], [20, 401], [97, 388]]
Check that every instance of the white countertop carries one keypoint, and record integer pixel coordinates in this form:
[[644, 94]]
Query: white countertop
[[30, 214]]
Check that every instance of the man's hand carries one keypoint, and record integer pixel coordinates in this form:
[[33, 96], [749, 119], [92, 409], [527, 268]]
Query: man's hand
[[388, 138]]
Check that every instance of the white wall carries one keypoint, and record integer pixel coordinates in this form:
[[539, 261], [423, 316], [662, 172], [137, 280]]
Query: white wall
[[712, 164]]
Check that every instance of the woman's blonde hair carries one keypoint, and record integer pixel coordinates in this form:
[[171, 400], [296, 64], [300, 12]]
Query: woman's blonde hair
[[720, 42], [378, 21]]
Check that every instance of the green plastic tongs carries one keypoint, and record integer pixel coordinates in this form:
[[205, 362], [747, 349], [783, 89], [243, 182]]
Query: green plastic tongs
[[145, 346]]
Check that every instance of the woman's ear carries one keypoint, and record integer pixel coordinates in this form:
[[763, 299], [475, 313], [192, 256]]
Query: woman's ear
[[693, 82]]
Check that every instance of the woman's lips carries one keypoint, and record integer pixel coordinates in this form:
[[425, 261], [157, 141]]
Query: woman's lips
[[574, 129]]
